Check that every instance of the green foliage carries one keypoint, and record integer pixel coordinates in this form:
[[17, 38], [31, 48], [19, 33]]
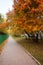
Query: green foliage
[[1, 18]]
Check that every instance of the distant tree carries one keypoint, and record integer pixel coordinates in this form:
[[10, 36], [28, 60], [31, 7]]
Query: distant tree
[[12, 24], [3, 24], [1, 18]]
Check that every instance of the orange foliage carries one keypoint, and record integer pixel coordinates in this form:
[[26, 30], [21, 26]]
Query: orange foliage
[[25, 14]]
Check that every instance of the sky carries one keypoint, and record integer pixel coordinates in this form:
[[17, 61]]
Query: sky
[[5, 5]]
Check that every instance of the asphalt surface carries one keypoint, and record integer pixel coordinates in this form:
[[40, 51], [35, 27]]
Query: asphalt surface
[[14, 54]]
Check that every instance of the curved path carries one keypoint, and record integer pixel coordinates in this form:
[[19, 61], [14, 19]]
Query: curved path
[[13, 54]]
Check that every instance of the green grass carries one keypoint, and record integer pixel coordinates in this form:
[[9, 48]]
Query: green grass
[[36, 49], [3, 37]]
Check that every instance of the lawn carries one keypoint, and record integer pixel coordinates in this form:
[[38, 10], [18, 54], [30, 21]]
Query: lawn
[[3, 37], [2, 41], [36, 49]]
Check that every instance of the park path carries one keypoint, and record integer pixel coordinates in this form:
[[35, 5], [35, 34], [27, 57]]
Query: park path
[[13, 54]]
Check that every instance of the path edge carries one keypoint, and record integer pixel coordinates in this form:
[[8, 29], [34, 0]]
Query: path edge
[[4, 42], [31, 55]]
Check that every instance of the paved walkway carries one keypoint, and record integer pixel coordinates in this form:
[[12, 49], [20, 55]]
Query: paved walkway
[[13, 54]]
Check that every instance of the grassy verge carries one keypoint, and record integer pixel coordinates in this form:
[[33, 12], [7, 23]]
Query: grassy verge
[[2, 46], [36, 49]]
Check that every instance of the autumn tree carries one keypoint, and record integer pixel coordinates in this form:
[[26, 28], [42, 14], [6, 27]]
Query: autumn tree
[[3, 24], [14, 28], [28, 14]]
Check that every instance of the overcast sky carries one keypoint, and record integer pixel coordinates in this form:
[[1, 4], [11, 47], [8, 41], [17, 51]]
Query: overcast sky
[[5, 5]]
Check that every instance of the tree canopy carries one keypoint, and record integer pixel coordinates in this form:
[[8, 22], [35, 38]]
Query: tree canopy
[[27, 14]]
